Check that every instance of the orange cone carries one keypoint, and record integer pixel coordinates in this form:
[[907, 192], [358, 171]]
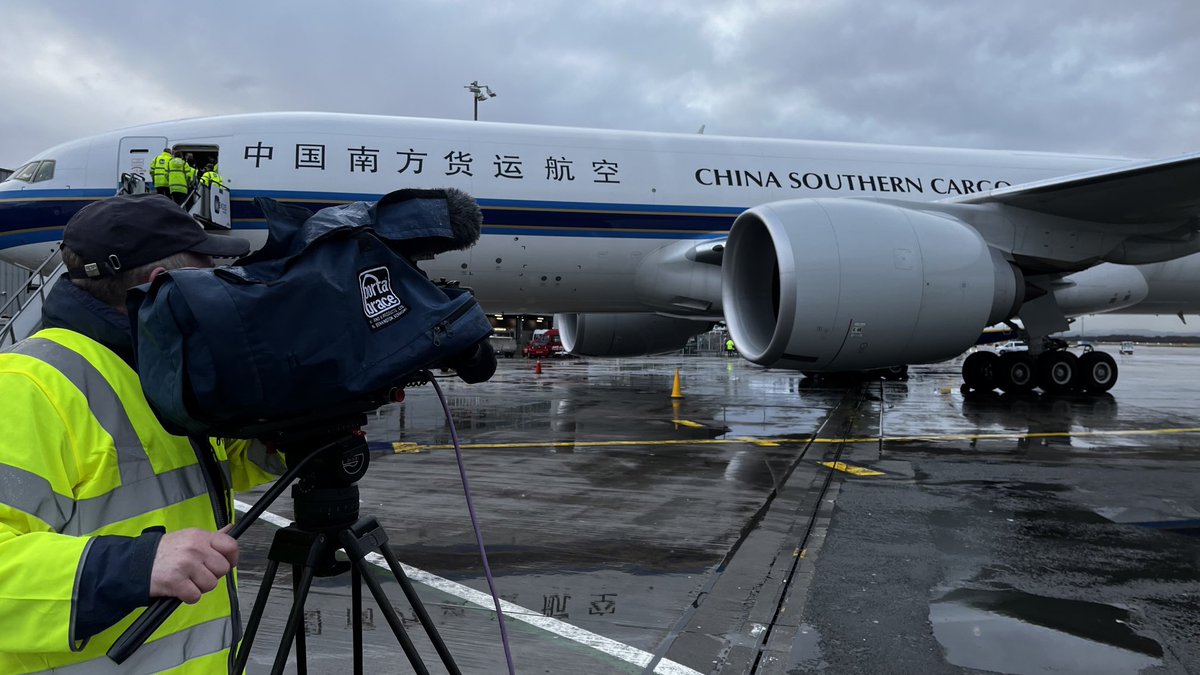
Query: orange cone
[[675, 392], [537, 367]]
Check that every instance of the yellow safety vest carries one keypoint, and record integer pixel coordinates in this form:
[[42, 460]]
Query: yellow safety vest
[[177, 176], [158, 169], [211, 178], [191, 173], [83, 455]]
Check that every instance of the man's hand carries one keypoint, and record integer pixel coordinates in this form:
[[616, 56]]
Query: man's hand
[[190, 562]]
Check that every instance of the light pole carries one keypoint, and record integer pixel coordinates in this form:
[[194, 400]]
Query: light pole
[[479, 92]]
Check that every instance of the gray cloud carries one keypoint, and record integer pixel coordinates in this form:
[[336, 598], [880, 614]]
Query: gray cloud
[[1092, 77]]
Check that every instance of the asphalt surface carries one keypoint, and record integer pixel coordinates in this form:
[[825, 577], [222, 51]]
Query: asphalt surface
[[631, 532]]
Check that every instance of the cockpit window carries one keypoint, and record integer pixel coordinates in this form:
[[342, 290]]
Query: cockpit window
[[44, 172], [34, 172], [26, 173]]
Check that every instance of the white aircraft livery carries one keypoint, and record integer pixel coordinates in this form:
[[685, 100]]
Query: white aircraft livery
[[819, 256]]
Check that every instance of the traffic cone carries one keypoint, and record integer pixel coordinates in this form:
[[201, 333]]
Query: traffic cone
[[537, 367], [675, 392]]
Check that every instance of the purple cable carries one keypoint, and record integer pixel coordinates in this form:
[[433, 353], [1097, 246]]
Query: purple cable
[[487, 570]]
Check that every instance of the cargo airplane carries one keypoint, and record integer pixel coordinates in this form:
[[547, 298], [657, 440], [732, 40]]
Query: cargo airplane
[[819, 256]]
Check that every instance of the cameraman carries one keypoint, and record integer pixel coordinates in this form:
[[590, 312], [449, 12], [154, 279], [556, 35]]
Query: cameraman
[[101, 509]]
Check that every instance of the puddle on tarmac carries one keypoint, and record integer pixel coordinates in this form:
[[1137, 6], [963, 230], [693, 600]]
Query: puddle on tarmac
[[1014, 632], [806, 650]]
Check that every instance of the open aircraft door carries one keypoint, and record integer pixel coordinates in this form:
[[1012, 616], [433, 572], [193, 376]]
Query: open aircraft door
[[136, 154]]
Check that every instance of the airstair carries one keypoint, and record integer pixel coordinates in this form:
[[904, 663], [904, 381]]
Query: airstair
[[24, 309], [21, 316]]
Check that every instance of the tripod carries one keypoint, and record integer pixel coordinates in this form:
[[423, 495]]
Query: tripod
[[328, 458], [327, 518]]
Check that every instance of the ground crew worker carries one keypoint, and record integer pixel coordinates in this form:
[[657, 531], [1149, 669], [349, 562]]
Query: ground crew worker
[[158, 172], [210, 176], [101, 509], [729, 348], [191, 170], [177, 178]]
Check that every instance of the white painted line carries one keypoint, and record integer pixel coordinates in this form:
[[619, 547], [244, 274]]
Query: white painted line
[[600, 643]]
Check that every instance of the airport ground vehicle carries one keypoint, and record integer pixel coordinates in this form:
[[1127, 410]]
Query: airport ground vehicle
[[1126, 348], [545, 344], [1011, 346], [504, 345]]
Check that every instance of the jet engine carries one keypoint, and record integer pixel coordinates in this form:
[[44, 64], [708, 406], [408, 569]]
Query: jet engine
[[845, 284], [603, 334]]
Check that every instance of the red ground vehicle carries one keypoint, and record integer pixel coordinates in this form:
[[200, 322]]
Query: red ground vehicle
[[544, 345]]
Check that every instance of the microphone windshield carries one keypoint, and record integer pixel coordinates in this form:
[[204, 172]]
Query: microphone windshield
[[466, 220], [424, 223]]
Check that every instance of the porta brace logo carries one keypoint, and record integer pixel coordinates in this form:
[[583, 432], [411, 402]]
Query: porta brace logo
[[381, 305]]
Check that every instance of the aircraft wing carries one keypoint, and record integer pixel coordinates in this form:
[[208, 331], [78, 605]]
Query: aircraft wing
[[1160, 191]]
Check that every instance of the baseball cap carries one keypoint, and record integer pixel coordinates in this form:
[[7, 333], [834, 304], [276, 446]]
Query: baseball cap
[[124, 232]]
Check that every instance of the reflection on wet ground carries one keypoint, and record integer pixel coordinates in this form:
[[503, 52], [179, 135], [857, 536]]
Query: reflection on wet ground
[[1008, 631], [1008, 534]]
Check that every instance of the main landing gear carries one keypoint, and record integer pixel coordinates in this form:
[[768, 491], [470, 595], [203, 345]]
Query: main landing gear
[[1054, 371]]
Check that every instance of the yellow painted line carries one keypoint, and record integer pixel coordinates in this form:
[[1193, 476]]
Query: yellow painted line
[[774, 442], [688, 423], [760, 442], [400, 448], [853, 470], [1015, 434]]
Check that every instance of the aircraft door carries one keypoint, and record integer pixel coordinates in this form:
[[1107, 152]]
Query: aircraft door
[[136, 154]]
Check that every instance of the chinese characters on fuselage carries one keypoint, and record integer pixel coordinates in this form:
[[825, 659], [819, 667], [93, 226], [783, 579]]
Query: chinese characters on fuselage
[[367, 160]]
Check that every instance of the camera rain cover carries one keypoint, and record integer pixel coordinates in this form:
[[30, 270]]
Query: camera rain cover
[[329, 314]]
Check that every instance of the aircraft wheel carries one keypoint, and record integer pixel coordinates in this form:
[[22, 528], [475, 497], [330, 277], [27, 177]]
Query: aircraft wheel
[[1097, 372], [1056, 371], [1014, 372], [978, 370]]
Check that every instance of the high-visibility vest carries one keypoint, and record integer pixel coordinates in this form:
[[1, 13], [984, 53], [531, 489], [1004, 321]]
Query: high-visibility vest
[[158, 169], [83, 455], [191, 174], [211, 178], [177, 176]]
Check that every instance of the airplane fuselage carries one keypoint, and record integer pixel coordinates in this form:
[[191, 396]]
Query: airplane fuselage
[[569, 214]]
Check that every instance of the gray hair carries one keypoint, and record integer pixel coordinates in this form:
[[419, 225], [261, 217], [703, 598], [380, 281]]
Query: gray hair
[[111, 290]]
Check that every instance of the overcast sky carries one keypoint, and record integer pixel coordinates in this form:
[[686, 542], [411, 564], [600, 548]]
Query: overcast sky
[[1083, 76], [1086, 76]]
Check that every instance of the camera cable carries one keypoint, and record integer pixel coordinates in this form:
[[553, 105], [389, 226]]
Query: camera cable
[[487, 571]]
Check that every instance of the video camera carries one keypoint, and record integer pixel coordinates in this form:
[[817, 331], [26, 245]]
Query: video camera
[[293, 344], [330, 318]]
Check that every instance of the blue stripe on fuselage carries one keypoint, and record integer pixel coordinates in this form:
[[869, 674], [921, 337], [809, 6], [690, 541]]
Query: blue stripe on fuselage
[[26, 218]]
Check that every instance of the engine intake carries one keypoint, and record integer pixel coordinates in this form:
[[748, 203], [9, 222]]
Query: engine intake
[[839, 284]]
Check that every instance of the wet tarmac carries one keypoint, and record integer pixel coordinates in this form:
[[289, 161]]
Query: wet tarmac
[[631, 532]]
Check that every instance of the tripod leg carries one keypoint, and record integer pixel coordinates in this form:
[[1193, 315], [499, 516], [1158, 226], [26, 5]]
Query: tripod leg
[[419, 607], [295, 622], [260, 603], [356, 608], [366, 535], [301, 650], [349, 541]]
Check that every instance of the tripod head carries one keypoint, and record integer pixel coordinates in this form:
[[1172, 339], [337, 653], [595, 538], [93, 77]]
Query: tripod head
[[325, 495]]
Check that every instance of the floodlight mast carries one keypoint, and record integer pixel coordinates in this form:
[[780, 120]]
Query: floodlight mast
[[479, 92]]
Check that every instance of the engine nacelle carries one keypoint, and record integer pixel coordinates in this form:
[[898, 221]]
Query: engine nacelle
[[1103, 288], [840, 284], [603, 334]]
